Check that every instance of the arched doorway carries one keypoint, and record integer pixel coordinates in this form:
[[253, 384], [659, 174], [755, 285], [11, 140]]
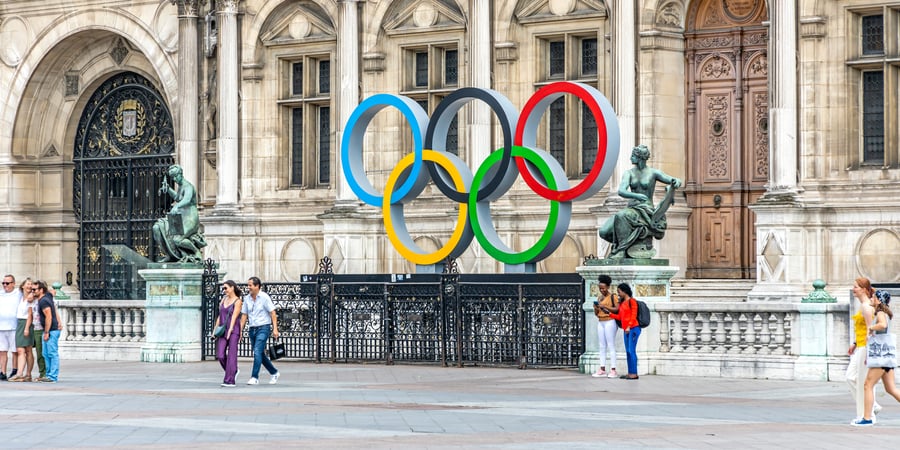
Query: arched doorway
[[728, 140], [124, 144]]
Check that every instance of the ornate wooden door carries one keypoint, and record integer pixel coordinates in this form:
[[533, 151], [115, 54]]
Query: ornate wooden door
[[728, 141]]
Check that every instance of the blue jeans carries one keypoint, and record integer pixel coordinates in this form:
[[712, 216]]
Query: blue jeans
[[51, 355], [259, 336], [631, 338]]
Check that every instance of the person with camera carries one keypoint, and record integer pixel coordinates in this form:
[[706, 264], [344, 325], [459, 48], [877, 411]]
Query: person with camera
[[259, 310], [606, 327]]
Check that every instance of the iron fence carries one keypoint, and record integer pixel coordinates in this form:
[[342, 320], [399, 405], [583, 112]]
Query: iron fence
[[451, 318]]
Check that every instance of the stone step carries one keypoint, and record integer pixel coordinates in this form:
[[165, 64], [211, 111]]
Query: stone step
[[710, 290]]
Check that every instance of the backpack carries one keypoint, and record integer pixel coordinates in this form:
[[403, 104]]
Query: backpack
[[643, 314]]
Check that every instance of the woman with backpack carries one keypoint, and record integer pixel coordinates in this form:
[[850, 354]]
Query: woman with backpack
[[627, 313]]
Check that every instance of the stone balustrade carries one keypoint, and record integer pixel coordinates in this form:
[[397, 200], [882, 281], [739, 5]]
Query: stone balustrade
[[786, 340], [102, 329], [727, 328]]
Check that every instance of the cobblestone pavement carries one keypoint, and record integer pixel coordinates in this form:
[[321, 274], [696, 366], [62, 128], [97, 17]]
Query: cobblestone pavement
[[142, 405]]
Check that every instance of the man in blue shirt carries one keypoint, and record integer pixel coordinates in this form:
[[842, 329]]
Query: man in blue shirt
[[259, 310]]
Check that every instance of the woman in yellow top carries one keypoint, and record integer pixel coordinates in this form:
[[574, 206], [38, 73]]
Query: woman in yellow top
[[863, 291], [606, 327]]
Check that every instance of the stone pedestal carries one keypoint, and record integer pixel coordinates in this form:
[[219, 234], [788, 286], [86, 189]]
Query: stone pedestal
[[650, 281], [173, 313], [816, 333]]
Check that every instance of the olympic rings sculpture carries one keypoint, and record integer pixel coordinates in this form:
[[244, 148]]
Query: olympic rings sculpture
[[493, 178]]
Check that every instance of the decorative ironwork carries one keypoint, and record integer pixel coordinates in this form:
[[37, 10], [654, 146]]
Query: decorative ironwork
[[325, 265], [450, 265], [124, 143], [506, 319]]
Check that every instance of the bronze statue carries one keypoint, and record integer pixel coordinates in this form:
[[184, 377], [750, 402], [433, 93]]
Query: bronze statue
[[178, 234], [632, 230]]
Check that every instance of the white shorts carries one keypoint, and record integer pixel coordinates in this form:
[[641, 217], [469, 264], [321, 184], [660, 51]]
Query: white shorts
[[8, 341]]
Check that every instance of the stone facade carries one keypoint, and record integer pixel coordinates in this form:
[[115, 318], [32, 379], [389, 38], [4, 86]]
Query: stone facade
[[252, 84]]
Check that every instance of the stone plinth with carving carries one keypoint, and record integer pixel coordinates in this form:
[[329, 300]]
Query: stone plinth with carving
[[173, 313]]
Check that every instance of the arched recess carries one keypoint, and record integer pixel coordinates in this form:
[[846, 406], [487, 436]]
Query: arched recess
[[69, 35], [727, 131]]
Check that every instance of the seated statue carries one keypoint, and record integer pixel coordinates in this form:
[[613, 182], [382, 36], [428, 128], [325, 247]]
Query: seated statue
[[631, 231], [178, 234]]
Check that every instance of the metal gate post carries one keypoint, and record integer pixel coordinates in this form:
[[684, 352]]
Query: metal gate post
[[324, 293], [210, 282], [387, 324], [450, 302], [520, 329]]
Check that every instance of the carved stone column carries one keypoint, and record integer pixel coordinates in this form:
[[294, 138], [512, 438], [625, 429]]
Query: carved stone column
[[348, 94], [783, 112], [188, 107], [229, 85], [480, 46], [624, 83]]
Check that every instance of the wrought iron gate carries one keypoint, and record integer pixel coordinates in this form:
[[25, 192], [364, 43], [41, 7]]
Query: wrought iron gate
[[123, 146], [498, 319]]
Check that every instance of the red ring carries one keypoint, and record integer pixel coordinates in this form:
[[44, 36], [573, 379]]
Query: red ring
[[565, 87]]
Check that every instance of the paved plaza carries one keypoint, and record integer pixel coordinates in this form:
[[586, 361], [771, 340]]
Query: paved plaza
[[142, 405]]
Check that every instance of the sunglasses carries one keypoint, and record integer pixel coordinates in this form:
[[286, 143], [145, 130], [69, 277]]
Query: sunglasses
[[6, 283]]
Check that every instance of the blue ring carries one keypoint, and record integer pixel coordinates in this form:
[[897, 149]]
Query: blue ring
[[352, 147]]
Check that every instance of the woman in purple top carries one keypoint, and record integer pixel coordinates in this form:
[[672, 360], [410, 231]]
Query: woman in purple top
[[227, 344]]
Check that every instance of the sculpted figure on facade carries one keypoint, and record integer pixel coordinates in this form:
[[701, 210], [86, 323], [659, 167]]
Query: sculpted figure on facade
[[631, 231], [178, 234]]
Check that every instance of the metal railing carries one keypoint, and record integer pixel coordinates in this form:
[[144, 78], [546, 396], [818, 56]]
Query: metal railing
[[451, 318]]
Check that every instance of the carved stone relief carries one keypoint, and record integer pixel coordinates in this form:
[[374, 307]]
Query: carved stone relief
[[669, 15], [72, 83], [119, 51]]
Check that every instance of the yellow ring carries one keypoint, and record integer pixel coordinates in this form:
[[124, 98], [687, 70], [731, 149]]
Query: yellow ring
[[416, 255]]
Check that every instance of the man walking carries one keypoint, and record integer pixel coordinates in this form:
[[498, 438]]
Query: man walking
[[9, 303], [51, 331], [259, 310]]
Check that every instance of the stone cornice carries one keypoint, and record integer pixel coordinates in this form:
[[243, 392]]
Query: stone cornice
[[662, 40]]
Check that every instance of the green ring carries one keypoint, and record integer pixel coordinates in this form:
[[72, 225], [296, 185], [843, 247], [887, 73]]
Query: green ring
[[494, 248]]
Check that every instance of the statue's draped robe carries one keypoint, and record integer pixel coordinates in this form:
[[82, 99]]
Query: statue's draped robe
[[633, 225]]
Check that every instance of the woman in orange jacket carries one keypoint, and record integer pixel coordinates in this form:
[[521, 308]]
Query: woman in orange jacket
[[627, 314]]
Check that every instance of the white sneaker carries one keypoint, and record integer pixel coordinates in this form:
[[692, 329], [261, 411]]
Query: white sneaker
[[876, 409], [253, 381], [274, 378]]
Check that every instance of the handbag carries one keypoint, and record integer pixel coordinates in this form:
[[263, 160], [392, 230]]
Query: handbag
[[881, 350], [219, 331], [276, 351]]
